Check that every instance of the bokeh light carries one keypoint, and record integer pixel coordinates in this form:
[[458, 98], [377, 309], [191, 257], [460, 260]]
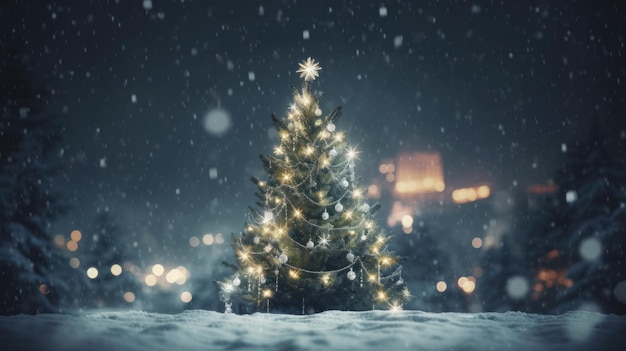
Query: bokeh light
[[467, 284], [219, 238], [116, 269], [477, 243], [158, 270], [76, 235], [185, 297], [441, 286], [74, 262], [217, 121], [517, 287], [44, 289], [150, 280], [72, 245], [129, 296], [590, 249], [207, 239], [59, 240], [194, 241], [407, 221], [92, 272], [172, 276]]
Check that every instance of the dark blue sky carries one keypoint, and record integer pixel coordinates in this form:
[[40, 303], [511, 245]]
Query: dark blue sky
[[496, 88]]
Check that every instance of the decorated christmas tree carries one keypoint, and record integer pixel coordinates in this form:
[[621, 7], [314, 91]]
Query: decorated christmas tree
[[312, 243]]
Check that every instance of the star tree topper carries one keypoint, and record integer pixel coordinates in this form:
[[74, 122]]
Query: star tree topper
[[308, 69]]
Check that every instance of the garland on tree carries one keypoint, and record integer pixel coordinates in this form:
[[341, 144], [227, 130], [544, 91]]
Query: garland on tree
[[312, 243]]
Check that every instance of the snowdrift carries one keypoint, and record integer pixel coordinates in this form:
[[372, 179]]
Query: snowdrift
[[333, 330]]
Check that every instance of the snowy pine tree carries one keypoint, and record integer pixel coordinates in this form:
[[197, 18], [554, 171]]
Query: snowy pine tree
[[107, 250], [34, 274], [594, 187], [312, 243]]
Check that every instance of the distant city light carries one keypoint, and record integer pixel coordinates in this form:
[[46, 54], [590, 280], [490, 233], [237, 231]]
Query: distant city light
[[470, 194], [72, 245], [92, 272], [76, 235], [219, 238], [477, 243], [208, 239], [44, 289], [194, 241], [150, 280], [407, 221], [489, 241], [398, 211], [116, 270], [185, 297], [158, 270], [419, 173], [129, 297], [373, 192], [74, 262], [467, 284], [172, 276], [59, 240], [441, 286]]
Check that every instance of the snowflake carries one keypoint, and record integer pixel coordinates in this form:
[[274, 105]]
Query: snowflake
[[308, 69]]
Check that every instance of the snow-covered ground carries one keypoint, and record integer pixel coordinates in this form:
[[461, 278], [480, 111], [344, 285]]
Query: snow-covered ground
[[334, 330]]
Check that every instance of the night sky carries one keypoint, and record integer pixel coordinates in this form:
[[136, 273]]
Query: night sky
[[496, 88]]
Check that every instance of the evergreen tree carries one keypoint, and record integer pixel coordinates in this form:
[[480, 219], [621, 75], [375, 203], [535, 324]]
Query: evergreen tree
[[595, 187], [574, 240], [312, 243], [109, 252], [429, 265], [34, 275], [501, 264]]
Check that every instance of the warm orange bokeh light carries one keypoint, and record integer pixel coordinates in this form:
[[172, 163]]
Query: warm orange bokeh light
[[76, 235]]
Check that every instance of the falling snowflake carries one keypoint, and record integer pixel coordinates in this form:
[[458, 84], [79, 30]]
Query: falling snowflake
[[308, 69]]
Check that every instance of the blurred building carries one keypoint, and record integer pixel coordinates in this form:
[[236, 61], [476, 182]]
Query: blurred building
[[418, 173]]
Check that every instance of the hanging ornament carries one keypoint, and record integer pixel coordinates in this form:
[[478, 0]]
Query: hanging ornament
[[332, 153], [338, 207], [400, 281], [330, 127], [325, 215], [365, 208], [256, 240], [283, 258], [351, 274], [236, 281], [350, 257], [344, 182], [363, 236], [310, 244], [290, 126], [318, 112], [268, 248]]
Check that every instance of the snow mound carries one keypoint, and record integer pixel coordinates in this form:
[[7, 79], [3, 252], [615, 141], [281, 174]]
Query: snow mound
[[333, 330]]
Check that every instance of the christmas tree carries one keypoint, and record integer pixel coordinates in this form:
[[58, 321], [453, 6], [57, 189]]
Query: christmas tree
[[312, 243]]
